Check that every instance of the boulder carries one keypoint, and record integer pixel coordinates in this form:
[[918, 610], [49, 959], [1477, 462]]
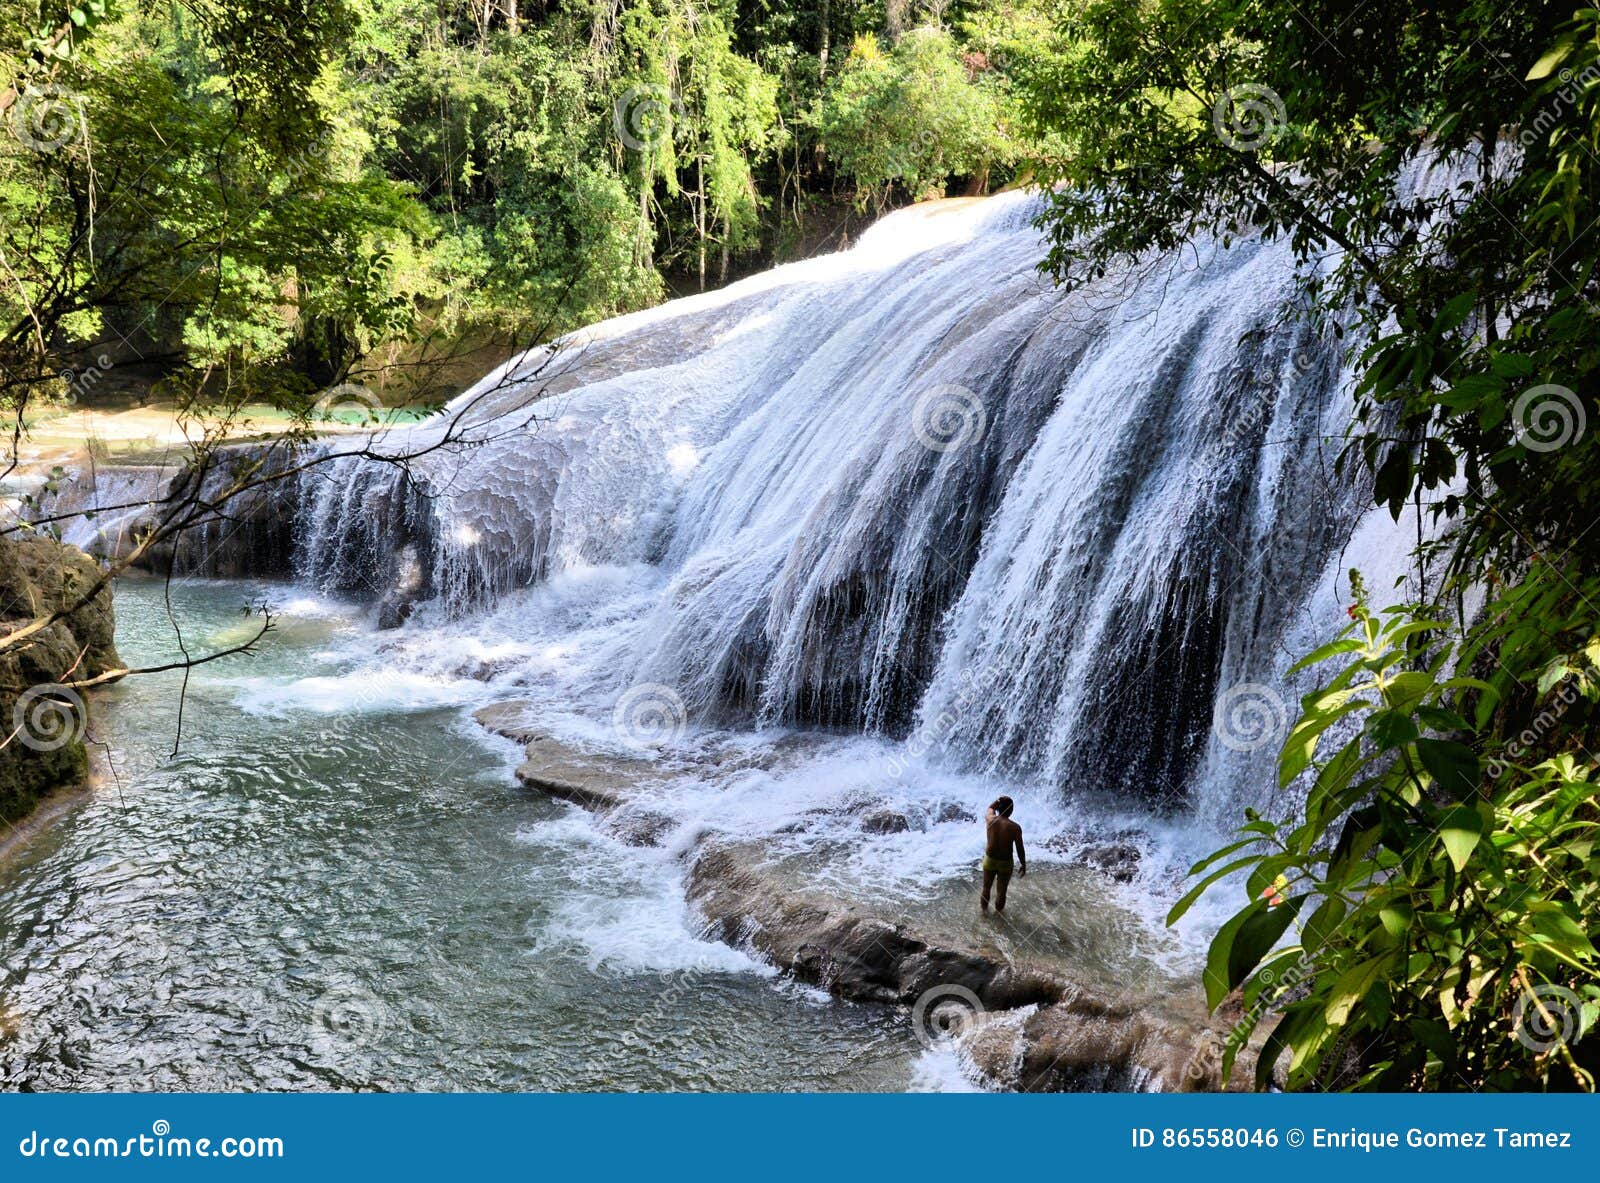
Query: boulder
[[885, 821], [46, 752], [952, 812]]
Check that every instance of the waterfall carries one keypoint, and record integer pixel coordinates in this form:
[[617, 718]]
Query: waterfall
[[913, 488]]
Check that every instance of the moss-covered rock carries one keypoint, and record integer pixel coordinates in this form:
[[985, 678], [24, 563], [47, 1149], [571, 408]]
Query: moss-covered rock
[[43, 723]]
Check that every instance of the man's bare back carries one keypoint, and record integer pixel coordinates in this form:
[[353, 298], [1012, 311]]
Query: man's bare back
[[1003, 836]]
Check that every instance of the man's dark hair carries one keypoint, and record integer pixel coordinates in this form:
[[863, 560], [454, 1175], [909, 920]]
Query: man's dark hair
[[1002, 806]]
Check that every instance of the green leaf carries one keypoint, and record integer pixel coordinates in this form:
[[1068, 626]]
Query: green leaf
[[1335, 776], [1553, 926], [1454, 766], [1324, 921], [1220, 953], [1391, 729], [1301, 745], [1552, 58], [1436, 1037], [1352, 987], [1406, 690], [1512, 365], [1460, 832], [1195, 892], [1321, 654], [1553, 673], [1220, 854], [1441, 718], [1395, 919], [1393, 482], [1255, 937]]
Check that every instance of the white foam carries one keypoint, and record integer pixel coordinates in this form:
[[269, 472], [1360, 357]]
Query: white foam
[[627, 912], [365, 691], [942, 1068]]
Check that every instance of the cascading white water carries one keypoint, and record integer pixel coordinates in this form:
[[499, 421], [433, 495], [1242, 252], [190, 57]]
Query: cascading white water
[[912, 487]]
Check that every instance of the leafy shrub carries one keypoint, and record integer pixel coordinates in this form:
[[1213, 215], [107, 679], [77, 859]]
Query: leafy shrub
[[912, 117], [1443, 905]]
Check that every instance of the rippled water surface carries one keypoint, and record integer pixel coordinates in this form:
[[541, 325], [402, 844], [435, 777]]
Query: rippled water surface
[[348, 890]]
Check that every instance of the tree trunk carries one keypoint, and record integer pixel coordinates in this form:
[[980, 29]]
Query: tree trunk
[[822, 48], [700, 214], [641, 252]]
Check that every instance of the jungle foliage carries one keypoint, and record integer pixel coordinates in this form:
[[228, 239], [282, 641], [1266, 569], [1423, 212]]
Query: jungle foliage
[[262, 199]]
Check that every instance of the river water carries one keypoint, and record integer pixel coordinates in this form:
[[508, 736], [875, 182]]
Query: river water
[[320, 895]]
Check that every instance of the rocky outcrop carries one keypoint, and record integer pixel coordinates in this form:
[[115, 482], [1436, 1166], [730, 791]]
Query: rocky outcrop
[[1028, 1025], [1031, 1022], [110, 507], [42, 721]]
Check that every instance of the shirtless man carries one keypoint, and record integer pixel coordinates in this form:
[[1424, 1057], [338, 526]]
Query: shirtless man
[[1003, 835]]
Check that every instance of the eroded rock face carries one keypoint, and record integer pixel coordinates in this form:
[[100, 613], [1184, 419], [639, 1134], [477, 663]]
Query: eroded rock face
[[1037, 1028], [108, 508], [46, 724]]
